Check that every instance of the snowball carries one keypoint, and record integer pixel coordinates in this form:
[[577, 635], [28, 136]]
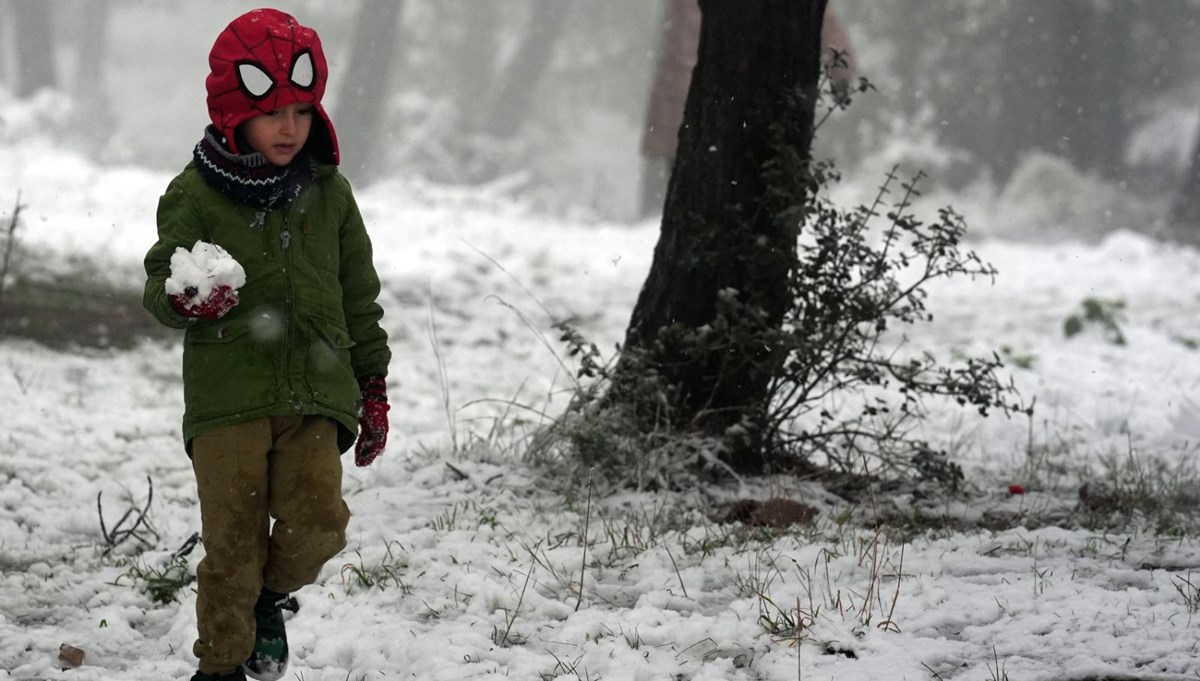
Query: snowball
[[204, 268]]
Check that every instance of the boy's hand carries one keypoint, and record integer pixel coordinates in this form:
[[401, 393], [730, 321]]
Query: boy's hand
[[372, 420], [219, 302]]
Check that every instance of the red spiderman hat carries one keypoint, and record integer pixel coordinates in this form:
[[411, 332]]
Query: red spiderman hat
[[262, 61]]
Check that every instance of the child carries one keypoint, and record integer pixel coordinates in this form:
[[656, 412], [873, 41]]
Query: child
[[277, 376]]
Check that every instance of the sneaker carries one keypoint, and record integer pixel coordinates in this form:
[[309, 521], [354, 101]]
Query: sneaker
[[235, 675], [269, 660]]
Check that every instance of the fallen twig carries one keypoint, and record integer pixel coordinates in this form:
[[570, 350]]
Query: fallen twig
[[140, 522]]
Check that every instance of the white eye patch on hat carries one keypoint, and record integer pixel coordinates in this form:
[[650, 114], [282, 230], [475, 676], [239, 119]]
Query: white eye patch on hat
[[258, 83], [303, 75]]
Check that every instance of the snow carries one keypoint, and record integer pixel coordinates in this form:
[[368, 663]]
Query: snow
[[481, 572], [205, 267]]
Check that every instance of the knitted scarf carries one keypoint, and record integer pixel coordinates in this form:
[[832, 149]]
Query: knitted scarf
[[250, 178]]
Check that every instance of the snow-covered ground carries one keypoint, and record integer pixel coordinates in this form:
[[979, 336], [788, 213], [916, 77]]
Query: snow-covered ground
[[479, 572]]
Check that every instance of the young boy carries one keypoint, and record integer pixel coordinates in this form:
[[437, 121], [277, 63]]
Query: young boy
[[278, 375]]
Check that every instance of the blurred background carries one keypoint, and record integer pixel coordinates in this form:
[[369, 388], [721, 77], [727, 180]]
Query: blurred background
[[1086, 109]]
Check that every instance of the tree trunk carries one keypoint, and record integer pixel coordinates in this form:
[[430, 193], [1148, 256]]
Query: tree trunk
[[513, 95], [366, 86], [1185, 209], [94, 118], [35, 46], [474, 60], [733, 209], [1094, 44]]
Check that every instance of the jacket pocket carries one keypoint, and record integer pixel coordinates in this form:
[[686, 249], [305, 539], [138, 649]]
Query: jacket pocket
[[319, 243], [330, 377], [226, 370]]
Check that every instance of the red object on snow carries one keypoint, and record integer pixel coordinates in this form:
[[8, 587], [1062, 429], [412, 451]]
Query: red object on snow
[[1016, 489]]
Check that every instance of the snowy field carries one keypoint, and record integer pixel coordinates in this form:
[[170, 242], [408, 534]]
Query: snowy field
[[461, 565]]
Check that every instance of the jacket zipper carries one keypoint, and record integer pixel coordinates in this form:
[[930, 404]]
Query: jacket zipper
[[289, 299]]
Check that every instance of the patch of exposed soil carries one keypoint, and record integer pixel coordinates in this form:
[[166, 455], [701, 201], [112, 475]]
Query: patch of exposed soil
[[61, 316]]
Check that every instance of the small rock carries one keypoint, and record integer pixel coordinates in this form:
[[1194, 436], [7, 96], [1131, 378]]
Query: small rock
[[70, 656]]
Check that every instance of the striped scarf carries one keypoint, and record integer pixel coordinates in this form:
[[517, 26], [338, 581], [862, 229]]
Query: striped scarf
[[249, 178]]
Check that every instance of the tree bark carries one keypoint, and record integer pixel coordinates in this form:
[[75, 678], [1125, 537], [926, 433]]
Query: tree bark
[[730, 222]]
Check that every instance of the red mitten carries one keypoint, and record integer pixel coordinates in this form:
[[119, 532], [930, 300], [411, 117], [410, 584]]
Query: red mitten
[[372, 420], [220, 301]]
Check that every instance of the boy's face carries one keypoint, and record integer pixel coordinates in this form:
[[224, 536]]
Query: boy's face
[[281, 134]]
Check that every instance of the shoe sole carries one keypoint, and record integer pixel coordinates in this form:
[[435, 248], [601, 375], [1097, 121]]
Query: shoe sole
[[271, 675]]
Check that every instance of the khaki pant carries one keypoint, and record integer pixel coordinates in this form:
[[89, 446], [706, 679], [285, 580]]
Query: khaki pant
[[282, 467]]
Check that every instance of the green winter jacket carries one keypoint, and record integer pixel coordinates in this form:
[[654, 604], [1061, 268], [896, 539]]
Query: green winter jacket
[[307, 324]]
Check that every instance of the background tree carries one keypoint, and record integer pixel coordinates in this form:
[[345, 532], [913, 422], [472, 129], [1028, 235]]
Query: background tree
[[994, 81], [966, 89], [366, 85], [496, 78], [1066, 83], [93, 115], [729, 228], [510, 95], [1185, 208], [35, 41]]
